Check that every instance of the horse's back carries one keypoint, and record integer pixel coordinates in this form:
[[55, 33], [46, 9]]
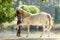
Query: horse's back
[[38, 16]]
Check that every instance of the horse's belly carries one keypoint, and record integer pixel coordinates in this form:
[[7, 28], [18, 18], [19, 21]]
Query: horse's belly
[[37, 22]]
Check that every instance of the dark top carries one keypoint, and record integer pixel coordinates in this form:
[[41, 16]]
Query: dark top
[[19, 20]]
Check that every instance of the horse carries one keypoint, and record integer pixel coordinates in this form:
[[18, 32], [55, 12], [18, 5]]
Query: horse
[[28, 19]]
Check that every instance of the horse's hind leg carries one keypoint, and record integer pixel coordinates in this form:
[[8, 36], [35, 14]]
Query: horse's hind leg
[[43, 31], [18, 31], [49, 31]]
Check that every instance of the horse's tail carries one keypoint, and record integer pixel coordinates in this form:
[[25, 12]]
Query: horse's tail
[[50, 22]]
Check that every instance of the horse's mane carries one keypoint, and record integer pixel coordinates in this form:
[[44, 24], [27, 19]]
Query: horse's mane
[[28, 13]]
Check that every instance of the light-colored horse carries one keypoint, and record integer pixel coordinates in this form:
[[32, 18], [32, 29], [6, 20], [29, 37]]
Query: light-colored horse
[[42, 18]]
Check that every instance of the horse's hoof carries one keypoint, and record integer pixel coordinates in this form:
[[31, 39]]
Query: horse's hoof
[[40, 36], [48, 35], [27, 36]]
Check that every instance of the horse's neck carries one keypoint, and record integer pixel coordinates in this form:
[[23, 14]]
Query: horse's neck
[[26, 15]]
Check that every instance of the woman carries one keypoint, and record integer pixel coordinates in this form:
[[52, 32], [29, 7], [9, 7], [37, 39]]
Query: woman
[[18, 22]]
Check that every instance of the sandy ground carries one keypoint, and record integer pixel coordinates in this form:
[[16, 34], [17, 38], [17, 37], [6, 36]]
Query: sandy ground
[[31, 37]]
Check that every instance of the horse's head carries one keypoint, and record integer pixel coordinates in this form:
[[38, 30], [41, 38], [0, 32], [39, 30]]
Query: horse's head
[[19, 12]]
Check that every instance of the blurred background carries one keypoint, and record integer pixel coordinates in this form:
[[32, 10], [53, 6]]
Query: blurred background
[[8, 10]]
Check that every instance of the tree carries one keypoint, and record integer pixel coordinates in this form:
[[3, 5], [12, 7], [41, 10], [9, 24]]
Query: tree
[[44, 1], [29, 8], [6, 10], [57, 13]]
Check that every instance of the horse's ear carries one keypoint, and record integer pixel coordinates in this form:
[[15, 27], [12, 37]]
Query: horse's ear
[[17, 8]]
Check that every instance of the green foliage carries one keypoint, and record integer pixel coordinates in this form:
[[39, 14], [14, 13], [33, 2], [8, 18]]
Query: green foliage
[[25, 7], [45, 1], [31, 9], [6, 10], [57, 13], [34, 9]]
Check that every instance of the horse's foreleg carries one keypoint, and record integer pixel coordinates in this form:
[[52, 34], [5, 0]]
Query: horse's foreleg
[[28, 29], [18, 31], [43, 31]]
